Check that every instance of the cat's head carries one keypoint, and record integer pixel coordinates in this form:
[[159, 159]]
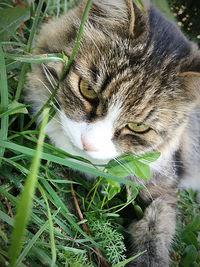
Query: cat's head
[[130, 88]]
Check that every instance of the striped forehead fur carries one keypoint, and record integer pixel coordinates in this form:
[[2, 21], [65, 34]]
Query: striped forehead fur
[[115, 10]]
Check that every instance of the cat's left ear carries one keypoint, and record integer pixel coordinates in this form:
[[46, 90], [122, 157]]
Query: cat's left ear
[[137, 18], [131, 16], [121, 16]]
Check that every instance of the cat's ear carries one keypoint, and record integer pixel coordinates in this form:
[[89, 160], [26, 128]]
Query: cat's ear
[[137, 17], [119, 15], [131, 12]]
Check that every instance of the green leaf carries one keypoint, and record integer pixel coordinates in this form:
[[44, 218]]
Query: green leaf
[[142, 170], [190, 238], [194, 225], [139, 212], [122, 166], [190, 257], [17, 108], [127, 165], [120, 161], [149, 157], [113, 190], [10, 19], [119, 171]]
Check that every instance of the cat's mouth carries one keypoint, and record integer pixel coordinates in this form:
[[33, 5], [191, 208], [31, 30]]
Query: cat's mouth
[[92, 141], [99, 155], [93, 156], [100, 152]]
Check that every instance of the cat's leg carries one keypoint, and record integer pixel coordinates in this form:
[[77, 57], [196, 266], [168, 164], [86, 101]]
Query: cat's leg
[[154, 233]]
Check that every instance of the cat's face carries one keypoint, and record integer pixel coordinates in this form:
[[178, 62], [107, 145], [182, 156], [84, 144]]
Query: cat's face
[[113, 105], [120, 96]]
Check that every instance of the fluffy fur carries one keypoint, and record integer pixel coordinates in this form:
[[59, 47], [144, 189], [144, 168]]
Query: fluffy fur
[[144, 71]]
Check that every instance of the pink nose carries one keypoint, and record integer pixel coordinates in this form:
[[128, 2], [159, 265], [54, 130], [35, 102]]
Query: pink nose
[[87, 146]]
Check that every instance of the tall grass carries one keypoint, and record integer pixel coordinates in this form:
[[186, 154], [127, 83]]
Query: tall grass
[[39, 223]]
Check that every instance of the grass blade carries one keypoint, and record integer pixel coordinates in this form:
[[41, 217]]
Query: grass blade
[[121, 264], [36, 59], [7, 112], [33, 240], [28, 49], [77, 43], [25, 203], [4, 101], [51, 228], [66, 162]]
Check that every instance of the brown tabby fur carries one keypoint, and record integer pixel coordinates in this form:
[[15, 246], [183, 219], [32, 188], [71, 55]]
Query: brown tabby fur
[[142, 63]]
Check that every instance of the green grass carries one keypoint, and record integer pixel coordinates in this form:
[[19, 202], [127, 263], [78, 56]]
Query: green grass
[[4, 101], [39, 223]]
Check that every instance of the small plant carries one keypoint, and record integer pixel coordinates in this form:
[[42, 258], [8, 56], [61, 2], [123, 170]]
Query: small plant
[[108, 236], [72, 259]]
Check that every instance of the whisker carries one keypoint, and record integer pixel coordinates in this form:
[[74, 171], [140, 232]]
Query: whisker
[[49, 76], [46, 87]]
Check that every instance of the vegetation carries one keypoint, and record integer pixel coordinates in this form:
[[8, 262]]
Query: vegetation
[[187, 13], [49, 214]]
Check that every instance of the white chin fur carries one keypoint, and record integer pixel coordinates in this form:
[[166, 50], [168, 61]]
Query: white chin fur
[[68, 136]]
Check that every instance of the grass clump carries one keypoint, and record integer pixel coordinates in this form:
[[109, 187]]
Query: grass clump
[[53, 233]]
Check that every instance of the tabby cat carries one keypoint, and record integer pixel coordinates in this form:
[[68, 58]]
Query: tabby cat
[[133, 87]]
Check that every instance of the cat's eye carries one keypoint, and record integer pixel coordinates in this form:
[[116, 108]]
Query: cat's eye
[[87, 91], [138, 127]]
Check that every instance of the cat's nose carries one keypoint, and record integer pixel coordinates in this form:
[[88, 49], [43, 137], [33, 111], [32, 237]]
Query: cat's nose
[[87, 146]]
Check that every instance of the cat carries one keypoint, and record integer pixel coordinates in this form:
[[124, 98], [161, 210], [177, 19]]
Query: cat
[[133, 87]]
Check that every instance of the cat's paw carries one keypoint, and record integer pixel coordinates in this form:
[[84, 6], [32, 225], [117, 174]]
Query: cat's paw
[[153, 234]]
